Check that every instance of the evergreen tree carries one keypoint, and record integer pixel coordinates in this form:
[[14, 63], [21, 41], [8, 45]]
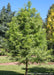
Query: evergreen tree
[[26, 34], [5, 17], [50, 27], [8, 8]]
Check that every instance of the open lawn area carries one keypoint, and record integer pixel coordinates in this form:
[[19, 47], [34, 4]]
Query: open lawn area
[[20, 69], [6, 59]]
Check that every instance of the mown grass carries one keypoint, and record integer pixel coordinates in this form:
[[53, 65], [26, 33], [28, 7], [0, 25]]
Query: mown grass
[[20, 69], [6, 59], [11, 70]]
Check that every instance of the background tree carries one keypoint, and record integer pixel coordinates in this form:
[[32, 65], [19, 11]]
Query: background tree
[[5, 17], [26, 34], [50, 27]]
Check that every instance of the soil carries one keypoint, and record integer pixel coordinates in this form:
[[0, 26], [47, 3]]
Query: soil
[[17, 63]]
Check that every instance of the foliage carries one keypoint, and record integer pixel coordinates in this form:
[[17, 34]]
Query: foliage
[[50, 27], [26, 34], [5, 17], [43, 56], [2, 52]]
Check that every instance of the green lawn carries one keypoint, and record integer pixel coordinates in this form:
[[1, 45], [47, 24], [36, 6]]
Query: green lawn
[[6, 59], [11, 70], [20, 69]]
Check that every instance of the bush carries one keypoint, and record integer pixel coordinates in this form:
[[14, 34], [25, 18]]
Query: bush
[[2, 52]]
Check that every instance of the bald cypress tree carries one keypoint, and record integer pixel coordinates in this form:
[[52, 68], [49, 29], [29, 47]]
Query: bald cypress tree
[[26, 35]]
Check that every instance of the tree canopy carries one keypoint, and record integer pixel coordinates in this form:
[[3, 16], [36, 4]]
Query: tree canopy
[[50, 27], [25, 34], [5, 17]]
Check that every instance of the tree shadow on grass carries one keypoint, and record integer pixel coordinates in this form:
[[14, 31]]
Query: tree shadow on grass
[[40, 70], [9, 73]]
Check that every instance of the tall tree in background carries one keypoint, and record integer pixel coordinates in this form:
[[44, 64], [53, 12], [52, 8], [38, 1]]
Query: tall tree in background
[[5, 17], [26, 34], [50, 27]]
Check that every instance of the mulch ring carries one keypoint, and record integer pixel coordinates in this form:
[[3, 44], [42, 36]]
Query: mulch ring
[[17, 63]]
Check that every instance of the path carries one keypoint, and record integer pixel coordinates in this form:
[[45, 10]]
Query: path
[[17, 63]]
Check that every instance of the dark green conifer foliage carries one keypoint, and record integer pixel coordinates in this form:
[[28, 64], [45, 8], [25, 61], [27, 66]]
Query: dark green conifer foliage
[[8, 7], [5, 17]]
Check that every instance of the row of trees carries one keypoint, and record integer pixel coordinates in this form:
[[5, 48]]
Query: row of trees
[[6, 15], [25, 35]]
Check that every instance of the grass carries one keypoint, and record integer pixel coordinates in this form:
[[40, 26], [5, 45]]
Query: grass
[[11, 70], [42, 69], [20, 69], [6, 59]]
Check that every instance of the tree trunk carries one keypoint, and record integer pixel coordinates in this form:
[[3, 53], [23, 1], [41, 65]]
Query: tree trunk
[[26, 66]]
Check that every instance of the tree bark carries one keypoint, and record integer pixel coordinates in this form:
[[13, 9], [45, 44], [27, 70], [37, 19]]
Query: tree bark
[[26, 66]]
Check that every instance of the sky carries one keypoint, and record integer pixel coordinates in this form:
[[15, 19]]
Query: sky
[[41, 5]]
